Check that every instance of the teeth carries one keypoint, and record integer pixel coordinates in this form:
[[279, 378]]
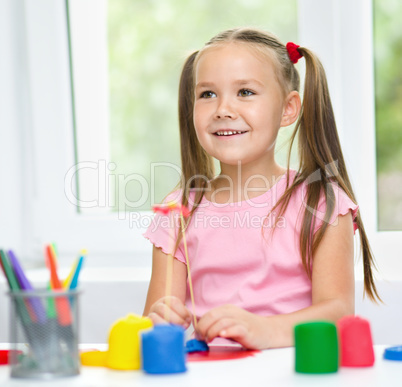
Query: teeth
[[228, 132]]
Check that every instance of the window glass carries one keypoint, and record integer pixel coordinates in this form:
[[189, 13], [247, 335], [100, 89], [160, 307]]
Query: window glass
[[147, 43], [388, 104]]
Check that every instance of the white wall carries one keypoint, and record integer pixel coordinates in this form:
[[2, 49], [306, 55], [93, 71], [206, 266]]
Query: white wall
[[12, 78]]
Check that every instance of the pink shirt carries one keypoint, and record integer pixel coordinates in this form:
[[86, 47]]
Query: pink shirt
[[234, 257]]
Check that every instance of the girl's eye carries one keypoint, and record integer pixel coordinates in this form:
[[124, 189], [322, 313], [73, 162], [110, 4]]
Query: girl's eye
[[208, 94], [245, 93]]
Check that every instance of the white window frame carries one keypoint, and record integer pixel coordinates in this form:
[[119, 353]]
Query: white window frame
[[54, 216], [339, 31]]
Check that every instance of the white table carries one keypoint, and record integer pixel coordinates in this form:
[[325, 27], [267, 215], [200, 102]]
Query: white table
[[274, 368]]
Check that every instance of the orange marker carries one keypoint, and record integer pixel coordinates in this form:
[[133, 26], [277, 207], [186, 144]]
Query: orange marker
[[62, 304]]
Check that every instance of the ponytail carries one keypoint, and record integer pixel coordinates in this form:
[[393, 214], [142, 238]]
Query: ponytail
[[320, 152], [197, 165]]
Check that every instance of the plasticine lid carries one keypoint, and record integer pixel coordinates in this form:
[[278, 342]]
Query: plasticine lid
[[4, 356], [93, 358], [393, 353]]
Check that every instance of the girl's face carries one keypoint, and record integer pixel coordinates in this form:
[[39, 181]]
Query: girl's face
[[238, 105]]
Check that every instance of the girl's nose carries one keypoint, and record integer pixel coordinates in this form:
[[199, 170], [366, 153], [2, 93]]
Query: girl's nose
[[225, 109]]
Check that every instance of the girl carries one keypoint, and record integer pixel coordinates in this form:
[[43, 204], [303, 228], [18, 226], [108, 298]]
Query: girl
[[269, 247]]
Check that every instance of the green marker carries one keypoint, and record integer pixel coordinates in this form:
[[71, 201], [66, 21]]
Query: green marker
[[12, 281], [14, 286], [51, 307]]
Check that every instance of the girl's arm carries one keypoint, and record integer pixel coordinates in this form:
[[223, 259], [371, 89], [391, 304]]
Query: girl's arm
[[333, 296], [158, 306]]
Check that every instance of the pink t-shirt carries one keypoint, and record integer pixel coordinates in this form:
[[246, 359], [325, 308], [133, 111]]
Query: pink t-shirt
[[236, 259]]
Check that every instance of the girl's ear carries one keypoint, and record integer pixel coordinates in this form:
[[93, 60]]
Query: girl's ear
[[291, 109]]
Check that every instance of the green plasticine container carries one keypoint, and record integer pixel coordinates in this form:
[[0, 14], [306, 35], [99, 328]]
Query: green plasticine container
[[316, 348]]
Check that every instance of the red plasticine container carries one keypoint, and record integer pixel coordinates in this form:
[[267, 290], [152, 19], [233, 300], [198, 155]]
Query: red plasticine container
[[356, 344]]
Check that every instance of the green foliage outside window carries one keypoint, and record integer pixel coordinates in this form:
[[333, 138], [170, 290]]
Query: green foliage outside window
[[388, 87]]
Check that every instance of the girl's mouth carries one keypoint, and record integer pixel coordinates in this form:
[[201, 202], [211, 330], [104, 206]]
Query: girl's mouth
[[228, 132]]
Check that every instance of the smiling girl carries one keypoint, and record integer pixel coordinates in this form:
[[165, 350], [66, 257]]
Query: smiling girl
[[269, 247]]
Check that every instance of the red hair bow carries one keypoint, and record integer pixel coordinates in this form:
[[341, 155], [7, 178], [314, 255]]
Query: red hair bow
[[293, 52]]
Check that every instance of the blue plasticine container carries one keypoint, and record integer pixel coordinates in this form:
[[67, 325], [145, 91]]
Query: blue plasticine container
[[163, 350]]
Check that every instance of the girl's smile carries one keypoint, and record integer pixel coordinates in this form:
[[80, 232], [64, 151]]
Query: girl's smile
[[229, 132]]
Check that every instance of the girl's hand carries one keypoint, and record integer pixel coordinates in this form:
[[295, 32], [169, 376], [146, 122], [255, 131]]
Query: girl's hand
[[232, 322], [170, 310]]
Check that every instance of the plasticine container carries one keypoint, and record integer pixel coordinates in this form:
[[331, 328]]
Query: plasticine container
[[163, 350], [356, 342], [316, 348]]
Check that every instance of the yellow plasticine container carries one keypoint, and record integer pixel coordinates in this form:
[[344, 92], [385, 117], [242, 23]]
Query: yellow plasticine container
[[124, 342]]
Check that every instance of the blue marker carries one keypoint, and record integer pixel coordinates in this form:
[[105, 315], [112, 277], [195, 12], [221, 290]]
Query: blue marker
[[74, 280]]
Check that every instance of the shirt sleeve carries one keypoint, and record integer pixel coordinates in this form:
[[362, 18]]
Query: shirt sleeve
[[343, 205], [162, 233]]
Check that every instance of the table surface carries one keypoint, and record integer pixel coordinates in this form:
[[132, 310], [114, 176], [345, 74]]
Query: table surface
[[274, 367]]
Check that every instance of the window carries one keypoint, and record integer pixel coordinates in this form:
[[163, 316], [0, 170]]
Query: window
[[388, 103]]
